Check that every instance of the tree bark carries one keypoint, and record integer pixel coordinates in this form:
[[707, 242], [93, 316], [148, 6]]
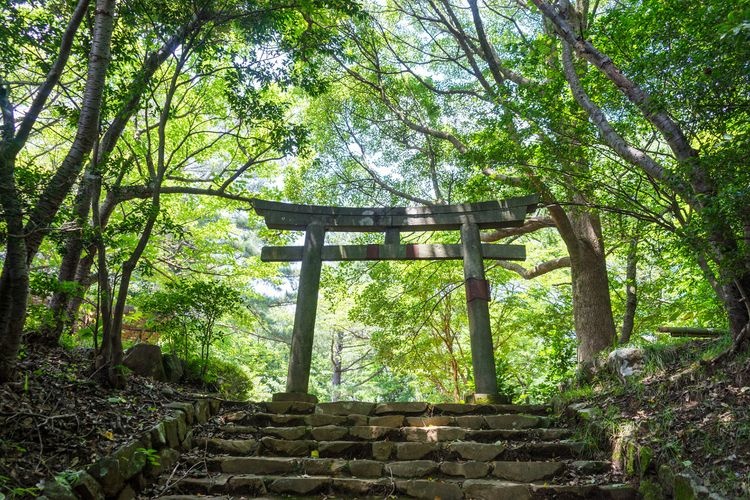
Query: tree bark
[[87, 131], [592, 307], [631, 292]]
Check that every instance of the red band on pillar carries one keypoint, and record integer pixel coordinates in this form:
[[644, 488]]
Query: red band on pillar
[[373, 251], [411, 252], [477, 289]]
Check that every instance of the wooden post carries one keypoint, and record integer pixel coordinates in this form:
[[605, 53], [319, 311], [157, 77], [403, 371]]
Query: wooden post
[[300, 358], [477, 298]]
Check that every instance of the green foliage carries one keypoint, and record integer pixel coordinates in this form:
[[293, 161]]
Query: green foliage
[[187, 313], [149, 454]]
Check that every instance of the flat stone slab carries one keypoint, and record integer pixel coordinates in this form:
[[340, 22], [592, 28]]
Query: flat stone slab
[[394, 421], [257, 465], [231, 446], [491, 435], [429, 421], [299, 448], [470, 421], [238, 429], [526, 472], [494, 490], [456, 408], [433, 434], [476, 451], [323, 466], [469, 470], [345, 408], [560, 449], [366, 468], [527, 409], [422, 488], [512, 421], [322, 419], [288, 433], [411, 408], [382, 450], [289, 407], [369, 432], [209, 484], [415, 451], [411, 468], [329, 433], [299, 485], [241, 484], [361, 487]]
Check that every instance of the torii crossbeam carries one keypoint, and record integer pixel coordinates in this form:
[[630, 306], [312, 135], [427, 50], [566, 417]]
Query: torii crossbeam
[[469, 218]]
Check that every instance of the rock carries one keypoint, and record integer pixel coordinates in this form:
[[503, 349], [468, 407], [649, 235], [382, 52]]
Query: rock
[[329, 433], [470, 421], [251, 486], [287, 448], [187, 443], [429, 421], [666, 478], [345, 408], [181, 426], [203, 484], [231, 446], [323, 466], [476, 451], [171, 431], [370, 433], [401, 408], [456, 408], [353, 488], [394, 421], [107, 473], [512, 421], [131, 459], [184, 407], [299, 485], [202, 411], [412, 468], [469, 470], [415, 451], [158, 435], [86, 487], [288, 433], [366, 468], [382, 450], [492, 490], [526, 472], [422, 488], [433, 434], [235, 416], [289, 407], [145, 360], [174, 368], [127, 493], [167, 458], [321, 419], [57, 490], [257, 465], [625, 362]]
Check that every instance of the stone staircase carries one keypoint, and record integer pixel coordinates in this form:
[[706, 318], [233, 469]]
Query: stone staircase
[[391, 450]]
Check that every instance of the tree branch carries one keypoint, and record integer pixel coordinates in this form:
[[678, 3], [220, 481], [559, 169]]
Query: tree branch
[[529, 226], [538, 270]]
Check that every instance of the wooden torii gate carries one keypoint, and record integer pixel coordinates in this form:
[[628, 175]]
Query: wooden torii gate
[[469, 218]]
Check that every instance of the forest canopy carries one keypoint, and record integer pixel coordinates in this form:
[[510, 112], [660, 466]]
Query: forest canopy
[[135, 136]]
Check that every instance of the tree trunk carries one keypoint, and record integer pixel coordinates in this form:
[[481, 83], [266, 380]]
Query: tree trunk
[[87, 131], [337, 347], [592, 308], [631, 292], [14, 282]]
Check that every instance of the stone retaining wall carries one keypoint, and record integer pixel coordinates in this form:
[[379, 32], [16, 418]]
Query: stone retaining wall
[[134, 465]]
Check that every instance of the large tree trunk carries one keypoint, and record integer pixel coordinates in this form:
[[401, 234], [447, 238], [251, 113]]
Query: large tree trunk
[[592, 308], [45, 210]]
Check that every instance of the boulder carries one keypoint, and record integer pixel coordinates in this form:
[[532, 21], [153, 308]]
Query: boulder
[[146, 360], [174, 367], [625, 362]]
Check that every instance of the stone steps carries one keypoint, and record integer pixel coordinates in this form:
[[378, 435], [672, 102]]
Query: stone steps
[[527, 471], [391, 450], [445, 489]]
